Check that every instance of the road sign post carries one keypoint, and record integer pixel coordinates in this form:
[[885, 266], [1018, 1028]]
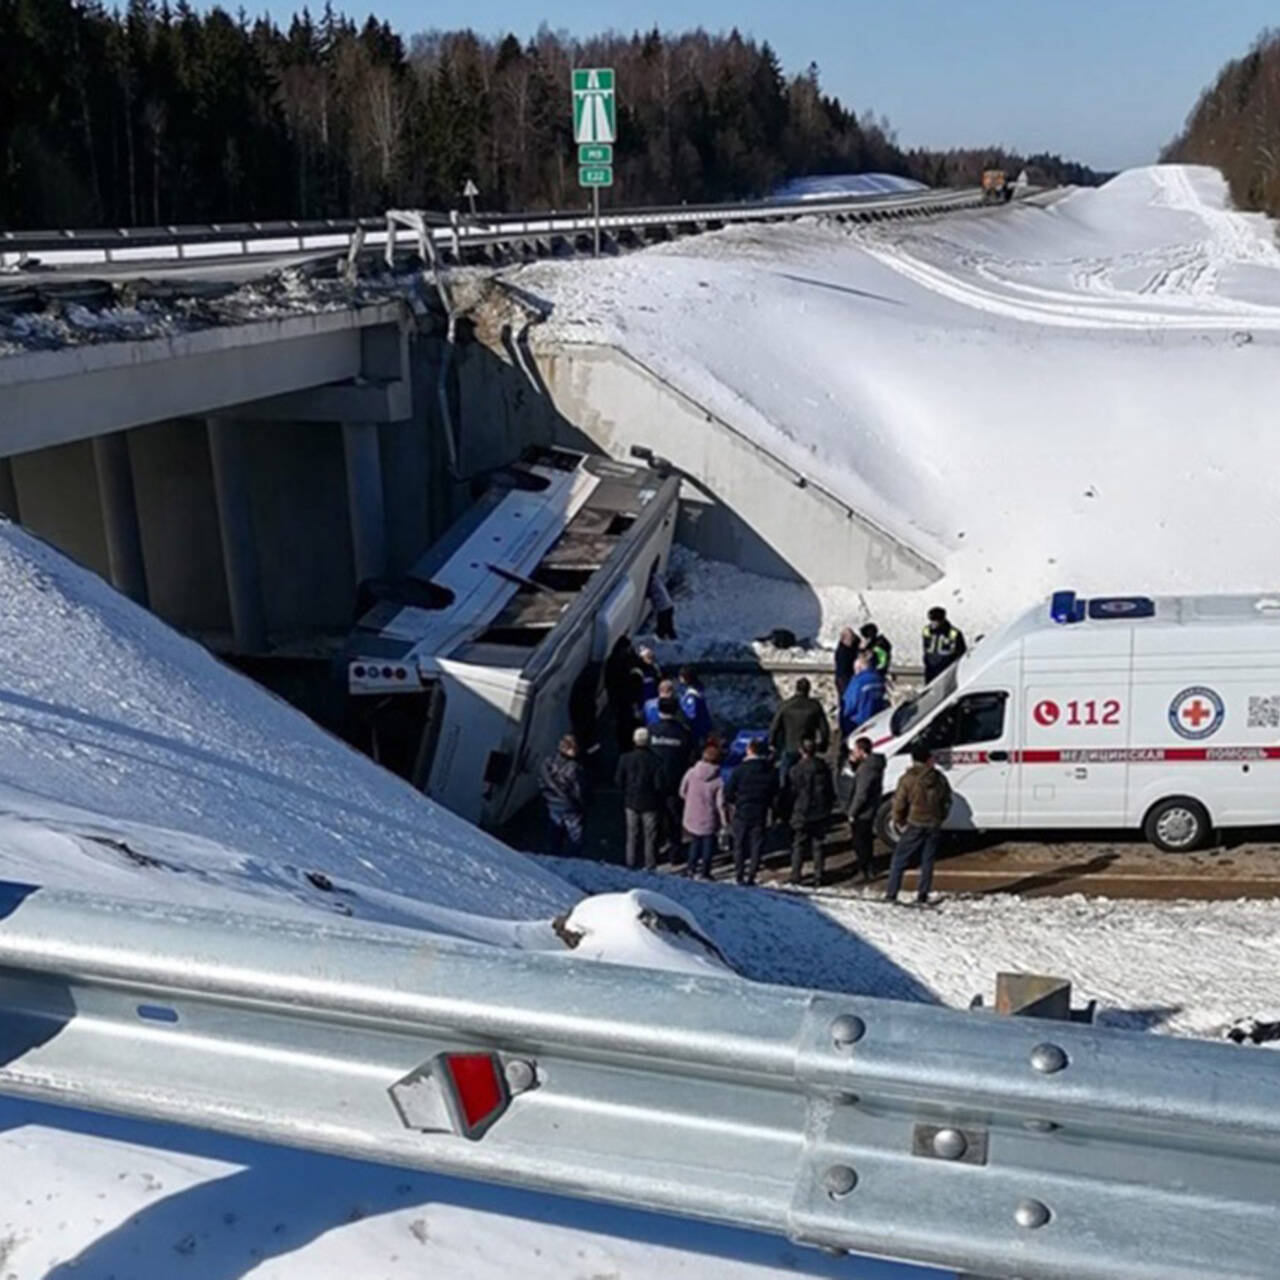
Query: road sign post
[[595, 129], [470, 191]]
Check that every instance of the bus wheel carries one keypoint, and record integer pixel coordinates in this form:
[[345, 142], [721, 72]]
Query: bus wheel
[[887, 831], [1177, 825]]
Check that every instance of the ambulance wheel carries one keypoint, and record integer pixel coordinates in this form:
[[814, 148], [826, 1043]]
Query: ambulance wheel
[[887, 831], [1177, 825]]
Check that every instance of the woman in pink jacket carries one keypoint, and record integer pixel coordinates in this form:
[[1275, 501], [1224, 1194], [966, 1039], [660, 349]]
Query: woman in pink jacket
[[703, 794]]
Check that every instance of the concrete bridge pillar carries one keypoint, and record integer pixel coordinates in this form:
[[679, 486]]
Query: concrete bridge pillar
[[365, 501], [235, 527], [120, 515], [8, 491]]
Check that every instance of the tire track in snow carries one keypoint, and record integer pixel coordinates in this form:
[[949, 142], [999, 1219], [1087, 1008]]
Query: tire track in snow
[[1182, 287]]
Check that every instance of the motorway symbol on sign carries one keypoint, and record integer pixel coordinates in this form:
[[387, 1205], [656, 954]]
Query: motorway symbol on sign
[[600, 175], [595, 115], [596, 153]]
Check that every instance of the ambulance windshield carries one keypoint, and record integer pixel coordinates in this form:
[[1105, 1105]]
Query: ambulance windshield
[[919, 708]]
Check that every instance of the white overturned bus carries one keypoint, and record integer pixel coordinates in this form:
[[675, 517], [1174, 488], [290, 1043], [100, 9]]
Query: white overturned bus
[[1120, 711], [464, 673]]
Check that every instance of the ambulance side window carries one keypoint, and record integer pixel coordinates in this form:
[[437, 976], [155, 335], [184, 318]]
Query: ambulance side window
[[980, 718]]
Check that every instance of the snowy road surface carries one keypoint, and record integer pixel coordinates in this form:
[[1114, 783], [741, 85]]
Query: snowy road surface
[[1080, 395]]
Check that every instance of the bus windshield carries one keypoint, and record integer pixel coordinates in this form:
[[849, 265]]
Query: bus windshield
[[916, 709]]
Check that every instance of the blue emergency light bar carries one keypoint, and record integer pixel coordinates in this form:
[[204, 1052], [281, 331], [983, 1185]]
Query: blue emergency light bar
[[1065, 608]]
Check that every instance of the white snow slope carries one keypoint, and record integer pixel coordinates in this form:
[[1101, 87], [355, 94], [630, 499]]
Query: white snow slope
[[134, 763], [1080, 395]]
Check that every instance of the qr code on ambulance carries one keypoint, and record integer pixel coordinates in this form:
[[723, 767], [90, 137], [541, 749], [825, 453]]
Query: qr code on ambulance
[[1264, 712]]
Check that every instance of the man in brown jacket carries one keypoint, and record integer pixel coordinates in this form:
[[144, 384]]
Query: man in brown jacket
[[920, 807]]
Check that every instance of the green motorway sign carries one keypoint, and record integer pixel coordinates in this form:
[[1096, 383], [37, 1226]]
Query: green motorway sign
[[595, 108], [600, 175], [595, 153]]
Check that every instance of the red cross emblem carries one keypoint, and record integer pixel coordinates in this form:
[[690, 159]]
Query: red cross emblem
[[1196, 713]]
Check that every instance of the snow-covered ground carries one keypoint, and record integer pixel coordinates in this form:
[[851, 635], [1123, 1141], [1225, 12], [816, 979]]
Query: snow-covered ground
[[133, 763], [1187, 968], [1077, 395]]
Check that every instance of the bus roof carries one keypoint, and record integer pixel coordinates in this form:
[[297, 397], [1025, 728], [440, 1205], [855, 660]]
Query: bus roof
[[494, 587]]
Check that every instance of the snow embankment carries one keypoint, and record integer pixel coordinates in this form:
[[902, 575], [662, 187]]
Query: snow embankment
[[830, 186], [133, 763], [1033, 398]]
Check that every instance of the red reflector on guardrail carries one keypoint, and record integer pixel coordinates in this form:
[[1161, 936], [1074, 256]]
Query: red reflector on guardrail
[[478, 1088]]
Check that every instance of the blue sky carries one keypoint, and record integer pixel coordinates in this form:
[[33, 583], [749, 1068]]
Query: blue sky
[[1104, 81]]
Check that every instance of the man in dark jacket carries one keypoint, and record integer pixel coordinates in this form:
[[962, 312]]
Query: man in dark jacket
[[672, 742], [623, 689], [920, 807], [563, 781], [643, 784], [846, 653], [801, 716], [868, 790], [943, 644], [749, 794], [812, 795]]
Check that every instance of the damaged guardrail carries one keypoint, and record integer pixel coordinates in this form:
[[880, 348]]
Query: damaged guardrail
[[455, 233], [998, 1146]]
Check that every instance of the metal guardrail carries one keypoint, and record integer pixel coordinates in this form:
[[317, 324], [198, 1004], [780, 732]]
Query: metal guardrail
[[996, 1146], [452, 231]]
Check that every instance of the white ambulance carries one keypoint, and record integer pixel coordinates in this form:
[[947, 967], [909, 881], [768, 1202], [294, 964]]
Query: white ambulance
[[1118, 711]]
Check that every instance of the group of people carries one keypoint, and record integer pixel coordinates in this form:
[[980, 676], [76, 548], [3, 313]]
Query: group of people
[[672, 776]]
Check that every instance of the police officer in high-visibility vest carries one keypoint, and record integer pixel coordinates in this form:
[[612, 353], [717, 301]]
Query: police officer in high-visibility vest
[[943, 644]]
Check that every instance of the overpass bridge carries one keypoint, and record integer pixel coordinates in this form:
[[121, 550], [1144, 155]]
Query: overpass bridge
[[241, 478]]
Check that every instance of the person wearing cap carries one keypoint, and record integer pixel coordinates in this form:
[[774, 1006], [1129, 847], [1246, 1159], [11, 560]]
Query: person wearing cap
[[877, 644], [942, 643], [642, 780]]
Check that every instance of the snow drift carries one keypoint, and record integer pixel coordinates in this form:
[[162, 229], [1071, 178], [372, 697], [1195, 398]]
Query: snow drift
[[134, 763], [1077, 395]]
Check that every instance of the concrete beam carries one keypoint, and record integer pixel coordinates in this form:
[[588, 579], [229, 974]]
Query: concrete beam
[[338, 402], [239, 541], [120, 515], [365, 499], [51, 397]]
